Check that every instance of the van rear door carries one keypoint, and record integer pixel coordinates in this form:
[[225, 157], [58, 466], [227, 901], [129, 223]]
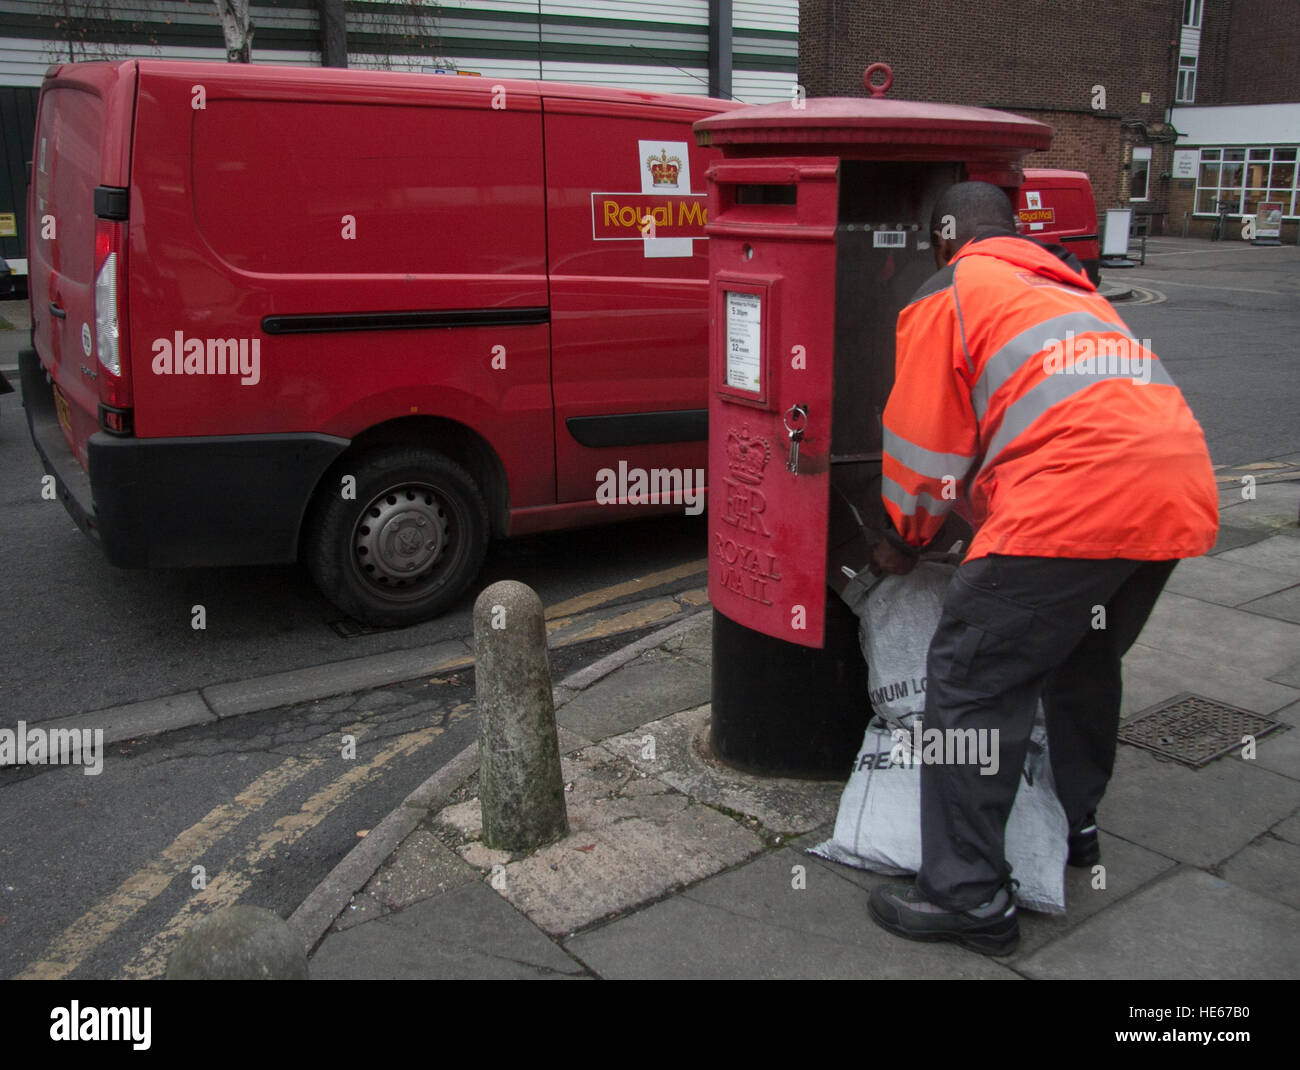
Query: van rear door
[[83, 131], [1057, 207]]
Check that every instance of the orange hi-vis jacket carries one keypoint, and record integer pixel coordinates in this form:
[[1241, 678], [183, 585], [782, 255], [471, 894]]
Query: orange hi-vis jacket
[[1018, 388]]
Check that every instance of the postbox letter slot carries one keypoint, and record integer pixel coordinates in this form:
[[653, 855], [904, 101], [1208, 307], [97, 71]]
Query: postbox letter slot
[[766, 194]]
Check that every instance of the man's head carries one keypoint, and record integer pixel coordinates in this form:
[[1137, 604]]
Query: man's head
[[965, 211]]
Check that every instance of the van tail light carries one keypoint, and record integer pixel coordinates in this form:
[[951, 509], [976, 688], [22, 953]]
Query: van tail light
[[111, 346]]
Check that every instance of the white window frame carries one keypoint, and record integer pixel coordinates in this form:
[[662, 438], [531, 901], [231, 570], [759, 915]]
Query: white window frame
[[1192, 13], [1185, 93], [1291, 208], [1143, 155]]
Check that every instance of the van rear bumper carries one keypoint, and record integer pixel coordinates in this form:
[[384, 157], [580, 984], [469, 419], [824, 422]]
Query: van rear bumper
[[181, 502]]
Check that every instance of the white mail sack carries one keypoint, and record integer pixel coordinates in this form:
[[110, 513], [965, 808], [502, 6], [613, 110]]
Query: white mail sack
[[879, 822], [897, 621]]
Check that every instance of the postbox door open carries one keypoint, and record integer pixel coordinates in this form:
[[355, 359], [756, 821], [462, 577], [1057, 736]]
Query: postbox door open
[[811, 260], [772, 317]]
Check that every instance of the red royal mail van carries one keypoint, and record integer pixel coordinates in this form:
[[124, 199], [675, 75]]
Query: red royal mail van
[[1057, 207], [362, 319]]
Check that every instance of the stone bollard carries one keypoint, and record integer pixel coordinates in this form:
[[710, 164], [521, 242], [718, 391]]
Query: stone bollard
[[239, 943], [520, 785]]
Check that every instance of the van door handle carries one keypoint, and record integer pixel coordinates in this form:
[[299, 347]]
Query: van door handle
[[57, 312]]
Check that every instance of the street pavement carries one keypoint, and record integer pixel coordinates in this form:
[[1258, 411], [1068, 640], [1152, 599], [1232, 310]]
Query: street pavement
[[677, 867]]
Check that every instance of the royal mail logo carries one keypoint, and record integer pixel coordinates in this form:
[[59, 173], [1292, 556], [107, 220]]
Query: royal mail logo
[[624, 216], [664, 168], [1037, 215], [747, 456]]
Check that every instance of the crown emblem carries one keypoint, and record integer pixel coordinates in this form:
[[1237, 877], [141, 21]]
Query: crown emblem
[[663, 168], [747, 456]]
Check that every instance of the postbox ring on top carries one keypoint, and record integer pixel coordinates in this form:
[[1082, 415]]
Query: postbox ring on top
[[883, 88]]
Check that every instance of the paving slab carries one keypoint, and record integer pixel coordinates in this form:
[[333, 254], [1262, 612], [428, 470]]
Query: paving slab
[[783, 806], [1278, 752], [420, 868], [1212, 579], [1275, 501], [1269, 866], [1237, 643], [1279, 553], [696, 643], [1152, 676], [1290, 676], [1199, 816], [468, 933], [1288, 830], [1191, 925], [632, 839], [1128, 867], [1231, 537], [1284, 605], [637, 693], [751, 922]]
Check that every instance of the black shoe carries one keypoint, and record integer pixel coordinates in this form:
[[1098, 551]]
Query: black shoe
[[991, 929], [1085, 848]]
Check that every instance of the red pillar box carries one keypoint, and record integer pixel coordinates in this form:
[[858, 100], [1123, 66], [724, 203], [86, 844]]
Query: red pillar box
[[819, 234]]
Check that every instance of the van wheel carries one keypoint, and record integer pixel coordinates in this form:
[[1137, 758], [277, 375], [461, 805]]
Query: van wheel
[[409, 543]]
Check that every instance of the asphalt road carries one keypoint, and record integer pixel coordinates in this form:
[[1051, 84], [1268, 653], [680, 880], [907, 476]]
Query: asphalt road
[[101, 875], [1226, 331]]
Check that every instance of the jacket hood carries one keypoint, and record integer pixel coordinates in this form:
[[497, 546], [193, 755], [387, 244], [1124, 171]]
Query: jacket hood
[[1051, 261]]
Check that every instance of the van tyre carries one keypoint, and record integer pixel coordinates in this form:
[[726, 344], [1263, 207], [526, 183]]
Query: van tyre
[[409, 543]]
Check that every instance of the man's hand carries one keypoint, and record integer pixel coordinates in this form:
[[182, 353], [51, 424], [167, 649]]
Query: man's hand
[[888, 559]]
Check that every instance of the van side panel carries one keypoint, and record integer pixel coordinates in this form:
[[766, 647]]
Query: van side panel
[[332, 239], [629, 329]]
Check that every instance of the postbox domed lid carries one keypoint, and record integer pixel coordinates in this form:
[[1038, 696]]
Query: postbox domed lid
[[910, 127]]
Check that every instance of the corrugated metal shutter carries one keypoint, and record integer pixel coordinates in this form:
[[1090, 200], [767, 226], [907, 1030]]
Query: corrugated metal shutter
[[642, 44], [762, 87], [681, 12], [780, 15]]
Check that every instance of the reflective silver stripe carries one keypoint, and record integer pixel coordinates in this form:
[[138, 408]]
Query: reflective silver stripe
[[961, 324], [1052, 390], [894, 492], [1011, 357], [926, 462]]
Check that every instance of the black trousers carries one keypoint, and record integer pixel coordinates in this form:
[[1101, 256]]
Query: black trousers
[[1015, 629]]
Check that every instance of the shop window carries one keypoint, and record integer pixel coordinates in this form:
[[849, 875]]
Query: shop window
[[1244, 177]]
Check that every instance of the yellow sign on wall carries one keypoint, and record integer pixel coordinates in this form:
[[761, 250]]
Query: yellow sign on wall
[[8, 225]]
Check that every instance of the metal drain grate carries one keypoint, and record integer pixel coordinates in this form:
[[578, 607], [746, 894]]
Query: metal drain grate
[[1193, 730]]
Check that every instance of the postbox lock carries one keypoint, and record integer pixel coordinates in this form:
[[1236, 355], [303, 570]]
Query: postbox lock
[[883, 88]]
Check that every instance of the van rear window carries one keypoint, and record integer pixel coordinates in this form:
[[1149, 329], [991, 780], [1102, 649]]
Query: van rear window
[[65, 168]]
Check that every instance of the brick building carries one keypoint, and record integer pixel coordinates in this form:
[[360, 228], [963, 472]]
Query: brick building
[[1237, 110], [1116, 79]]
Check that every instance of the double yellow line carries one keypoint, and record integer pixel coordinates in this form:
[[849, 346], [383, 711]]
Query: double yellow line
[[95, 927]]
